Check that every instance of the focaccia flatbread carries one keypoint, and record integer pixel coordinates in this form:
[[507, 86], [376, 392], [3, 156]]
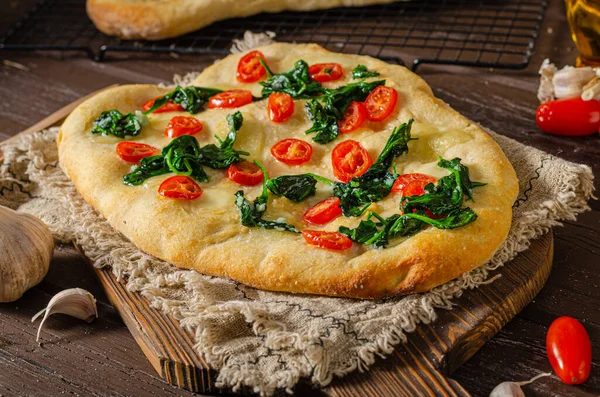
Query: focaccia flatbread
[[206, 234], [160, 19]]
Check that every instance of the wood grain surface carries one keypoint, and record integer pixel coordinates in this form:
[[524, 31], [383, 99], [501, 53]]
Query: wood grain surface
[[102, 359]]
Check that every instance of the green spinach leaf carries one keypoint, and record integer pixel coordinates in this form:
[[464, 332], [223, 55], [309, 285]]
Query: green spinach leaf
[[297, 82], [192, 99], [113, 122], [224, 155], [181, 156], [251, 213], [293, 187], [335, 102], [375, 184], [149, 167], [361, 72]]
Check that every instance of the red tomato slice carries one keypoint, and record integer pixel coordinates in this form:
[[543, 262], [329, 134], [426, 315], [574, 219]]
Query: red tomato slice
[[249, 68], [569, 350], [245, 173], [230, 99], [329, 240], [280, 107], [350, 159], [292, 151], [180, 187], [381, 102], [354, 116], [133, 152], [569, 117], [324, 72], [168, 106], [412, 184], [323, 212], [183, 125]]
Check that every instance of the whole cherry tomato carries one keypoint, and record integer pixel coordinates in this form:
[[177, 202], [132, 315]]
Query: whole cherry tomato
[[323, 212], [350, 159], [353, 118], [133, 152], [280, 107], [569, 117], [249, 68], [292, 151], [381, 103], [168, 106], [180, 187], [329, 240], [245, 173], [569, 350], [183, 125], [324, 72], [230, 99]]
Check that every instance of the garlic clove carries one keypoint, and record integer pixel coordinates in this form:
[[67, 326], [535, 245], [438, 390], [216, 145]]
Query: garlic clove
[[74, 302], [513, 389], [26, 247], [569, 81], [591, 90]]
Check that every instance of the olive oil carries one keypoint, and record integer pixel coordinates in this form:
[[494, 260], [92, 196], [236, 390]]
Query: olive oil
[[584, 20]]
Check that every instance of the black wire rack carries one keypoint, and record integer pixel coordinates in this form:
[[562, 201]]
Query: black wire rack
[[487, 33]]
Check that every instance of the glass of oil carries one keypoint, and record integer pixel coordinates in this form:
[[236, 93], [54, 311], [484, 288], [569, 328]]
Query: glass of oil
[[584, 20]]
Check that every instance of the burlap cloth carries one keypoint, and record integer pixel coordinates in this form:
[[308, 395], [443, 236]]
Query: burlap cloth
[[267, 340]]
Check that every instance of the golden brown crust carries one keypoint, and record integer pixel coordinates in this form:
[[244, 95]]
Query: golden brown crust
[[206, 235], [159, 19]]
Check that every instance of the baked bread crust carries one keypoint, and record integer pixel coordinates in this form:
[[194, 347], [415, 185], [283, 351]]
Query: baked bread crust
[[206, 234], [160, 19]]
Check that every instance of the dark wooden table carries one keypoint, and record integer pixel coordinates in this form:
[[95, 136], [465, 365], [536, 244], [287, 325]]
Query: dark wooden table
[[102, 359]]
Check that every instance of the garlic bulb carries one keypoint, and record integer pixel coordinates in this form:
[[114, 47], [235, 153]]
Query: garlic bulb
[[569, 81], [74, 302], [513, 389], [26, 247]]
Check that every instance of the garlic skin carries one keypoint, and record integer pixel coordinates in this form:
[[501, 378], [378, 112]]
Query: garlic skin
[[74, 302], [26, 247]]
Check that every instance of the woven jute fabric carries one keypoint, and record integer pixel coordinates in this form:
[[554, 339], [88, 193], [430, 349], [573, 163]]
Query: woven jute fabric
[[267, 340]]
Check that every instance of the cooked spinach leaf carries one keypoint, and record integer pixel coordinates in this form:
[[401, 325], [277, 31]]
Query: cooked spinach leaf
[[113, 122], [192, 99], [181, 156], [335, 102], [224, 155], [447, 194], [297, 82], [149, 167], [293, 187], [377, 182], [444, 199], [361, 72], [251, 213]]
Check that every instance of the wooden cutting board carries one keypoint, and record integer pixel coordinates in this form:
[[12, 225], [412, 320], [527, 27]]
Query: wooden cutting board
[[418, 368]]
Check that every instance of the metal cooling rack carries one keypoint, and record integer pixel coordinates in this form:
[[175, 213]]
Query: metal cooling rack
[[487, 33]]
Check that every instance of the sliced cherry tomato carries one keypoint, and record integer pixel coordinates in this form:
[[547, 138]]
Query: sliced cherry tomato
[[280, 107], [292, 151], [354, 116], [245, 173], [412, 184], [324, 72], [183, 125], [133, 152], [329, 240], [350, 159], [381, 103], [569, 117], [168, 106], [323, 212], [249, 68], [180, 187], [569, 350], [230, 99]]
